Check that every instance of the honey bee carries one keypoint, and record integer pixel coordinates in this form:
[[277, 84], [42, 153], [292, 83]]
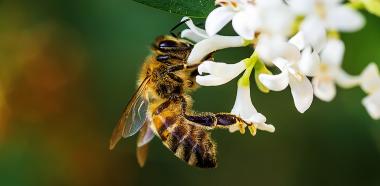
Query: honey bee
[[162, 106]]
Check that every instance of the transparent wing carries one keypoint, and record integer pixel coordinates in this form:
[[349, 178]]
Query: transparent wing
[[136, 118], [145, 136], [142, 154], [133, 117]]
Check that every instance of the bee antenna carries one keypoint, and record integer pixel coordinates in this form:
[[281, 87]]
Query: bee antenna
[[178, 25]]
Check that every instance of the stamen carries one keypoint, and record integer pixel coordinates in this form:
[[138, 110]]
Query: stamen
[[234, 4], [221, 2]]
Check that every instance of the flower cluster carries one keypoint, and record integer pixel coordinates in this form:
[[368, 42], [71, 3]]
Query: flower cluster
[[298, 37]]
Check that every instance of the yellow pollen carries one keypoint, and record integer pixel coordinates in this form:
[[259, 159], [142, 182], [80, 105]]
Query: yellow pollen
[[324, 68], [221, 2], [234, 4], [298, 76]]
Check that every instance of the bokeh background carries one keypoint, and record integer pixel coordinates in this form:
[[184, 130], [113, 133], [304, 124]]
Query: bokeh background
[[68, 67]]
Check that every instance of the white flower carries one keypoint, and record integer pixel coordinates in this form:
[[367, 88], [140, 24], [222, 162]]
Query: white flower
[[322, 15], [242, 13], [333, 14], [313, 33], [205, 44], [370, 83], [218, 73], [250, 16], [244, 108], [324, 67], [275, 16], [300, 85], [271, 47], [372, 104], [211, 44], [309, 61], [329, 72], [370, 79]]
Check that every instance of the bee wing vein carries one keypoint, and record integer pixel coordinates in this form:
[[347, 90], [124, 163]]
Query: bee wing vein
[[131, 122]]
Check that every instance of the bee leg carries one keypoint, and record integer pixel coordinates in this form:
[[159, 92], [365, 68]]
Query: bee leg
[[221, 120], [175, 78], [175, 68], [217, 120], [234, 122]]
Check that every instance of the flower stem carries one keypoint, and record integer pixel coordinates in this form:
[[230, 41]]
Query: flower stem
[[260, 68], [333, 34], [250, 64], [355, 4], [296, 24]]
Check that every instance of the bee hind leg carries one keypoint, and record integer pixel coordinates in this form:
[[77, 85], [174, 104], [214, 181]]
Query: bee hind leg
[[221, 120], [217, 120]]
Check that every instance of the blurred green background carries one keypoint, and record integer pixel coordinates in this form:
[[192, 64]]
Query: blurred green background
[[68, 67]]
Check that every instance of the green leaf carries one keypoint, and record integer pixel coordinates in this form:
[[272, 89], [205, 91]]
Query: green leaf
[[191, 8]]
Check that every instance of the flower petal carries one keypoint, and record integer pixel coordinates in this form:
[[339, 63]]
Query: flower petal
[[209, 45], [192, 36], [298, 40], [211, 80], [345, 80], [372, 104], [333, 52], [198, 31], [324, 89], [302, 92], [281, 63], [233, 128], [275, 82], [272, 47], [220, 73], [222, 69], [291, 52], [370, 79], [245, 22], [309, 62], [258, 121], [243, 106], [301, 6], [345, 19], [217, 19], [270, 9], [258, 118], [314, 32], [265, 127]]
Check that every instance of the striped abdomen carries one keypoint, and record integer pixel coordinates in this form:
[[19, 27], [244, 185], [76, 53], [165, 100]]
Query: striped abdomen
[[190, 143]]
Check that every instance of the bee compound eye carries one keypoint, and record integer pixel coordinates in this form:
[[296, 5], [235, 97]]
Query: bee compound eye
[[167, 44]]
